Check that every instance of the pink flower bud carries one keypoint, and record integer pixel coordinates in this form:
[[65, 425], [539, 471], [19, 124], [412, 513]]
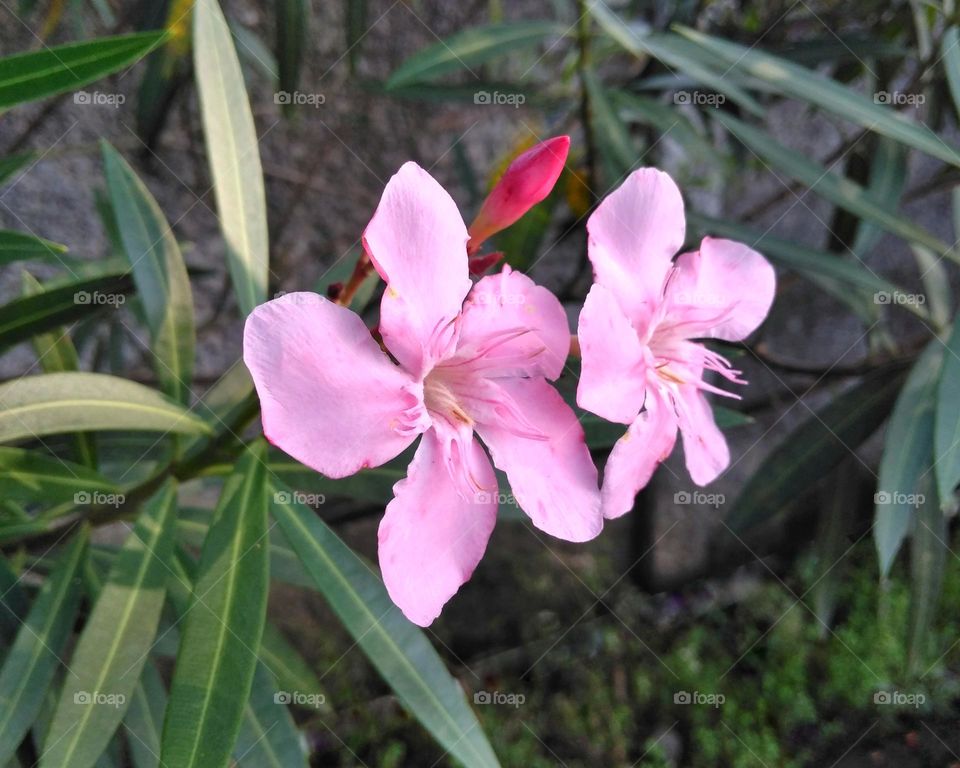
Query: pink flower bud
[[527, 181]]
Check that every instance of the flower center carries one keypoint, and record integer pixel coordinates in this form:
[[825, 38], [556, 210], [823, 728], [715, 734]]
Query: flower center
[[441, 402]]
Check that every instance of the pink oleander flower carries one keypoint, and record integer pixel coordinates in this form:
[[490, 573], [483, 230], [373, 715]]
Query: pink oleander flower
[[641, 365], [527, 181], [467, 361]]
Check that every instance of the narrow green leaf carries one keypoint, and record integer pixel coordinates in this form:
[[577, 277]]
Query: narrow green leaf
[[356, 12], [812, 449], [907, 456], [222, 630], [59, 304], [268, 737], [233, 153], [158, 272], [928, 559], [676, 53], [31, 476], [12, 163], [836, 188], [13, 602], [293, 26], [806, 85], [950, 53], [400, 652], [19, 246], [56, 354], [613, 137], [144, 719], [115, 642], [47, 72], [33, 660], [471, 47], [34, 406], [946, 432]]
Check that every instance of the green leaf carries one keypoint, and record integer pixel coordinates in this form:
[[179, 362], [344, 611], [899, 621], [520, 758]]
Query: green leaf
[[674, 52], [218, 649], [268, 737], [116, 640], [60, 304], [18, 246], [287, 666], [928, 558], [233, 153], [950, 52], [355, 12], [158, 272], [33, 660], [471, 47], [293, 25], [11, 164], [833, 186], [907, 456], [616, 147], [31, 476], [56, 354], [13, 602], [946, 433], [400, 652], [806, 85], [144, 718], [34, 406], [39, 74], [812, 449]]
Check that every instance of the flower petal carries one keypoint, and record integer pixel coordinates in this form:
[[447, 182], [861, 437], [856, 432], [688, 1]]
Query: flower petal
[[552, 476], [329, 396], [704, 446], [432, 537], [637, 454], [632, 237], [417, 242], [512, 326], [722, 291], [613, 371]]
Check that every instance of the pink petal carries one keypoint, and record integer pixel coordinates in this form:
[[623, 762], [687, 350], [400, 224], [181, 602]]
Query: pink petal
[[329, 396], [417, 242], [724, 291], [552, 476], [432, 537], [613, 371], [512, 326], [632, 237], [637, 454], [527, 181], [704, 446]]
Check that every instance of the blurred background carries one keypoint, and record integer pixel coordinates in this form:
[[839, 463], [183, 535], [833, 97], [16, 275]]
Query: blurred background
[[744, 624]]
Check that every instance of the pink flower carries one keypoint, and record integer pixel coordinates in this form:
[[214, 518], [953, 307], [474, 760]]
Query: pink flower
[[527, 181], [471, 361], [640, 364]]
